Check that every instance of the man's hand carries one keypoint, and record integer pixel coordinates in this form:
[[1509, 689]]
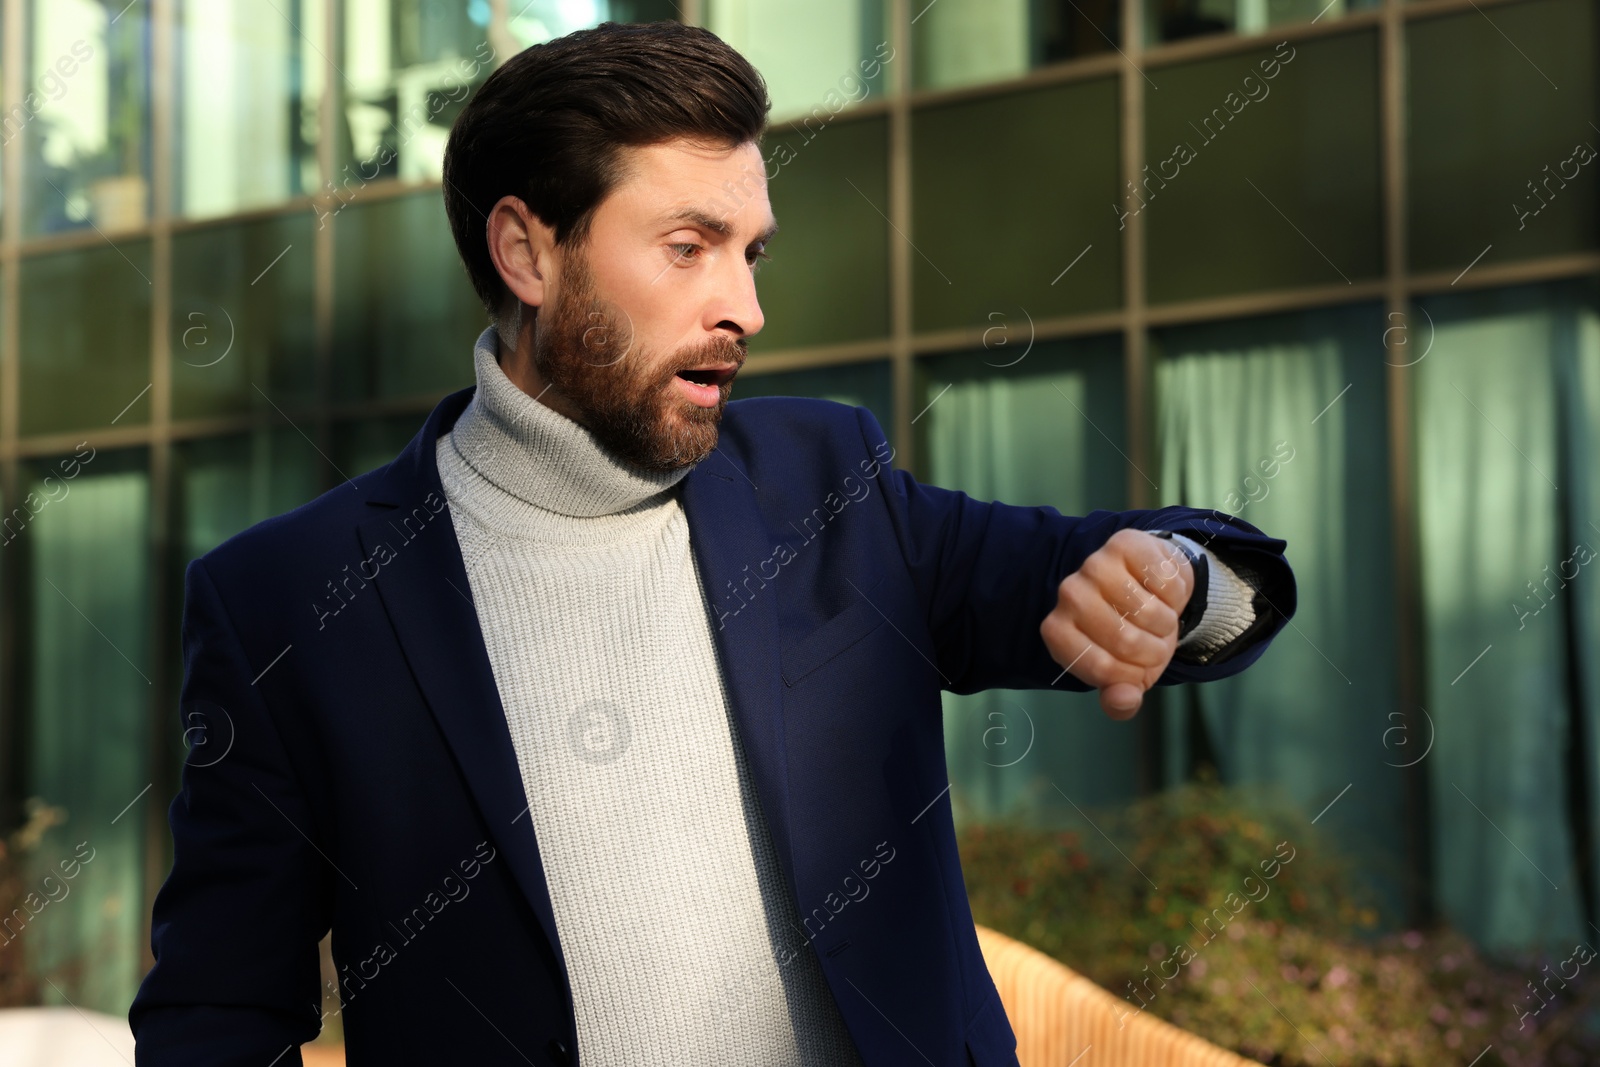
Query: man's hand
[[1115, 623]]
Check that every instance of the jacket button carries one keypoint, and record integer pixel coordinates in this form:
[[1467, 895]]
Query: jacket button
[[558, 1051]]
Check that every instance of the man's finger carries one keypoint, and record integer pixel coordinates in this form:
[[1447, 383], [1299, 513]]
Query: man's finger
[[1121, 700]]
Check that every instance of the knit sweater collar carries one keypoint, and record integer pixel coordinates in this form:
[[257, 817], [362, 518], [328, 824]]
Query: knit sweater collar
[[540, 456]]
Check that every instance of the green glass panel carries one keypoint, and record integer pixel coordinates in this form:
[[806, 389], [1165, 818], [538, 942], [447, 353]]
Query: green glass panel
[[1176, 20], [817, 57], [249, 83], [1262, 171], [998, 233], [405, 316], [362, 446], [85, 649], [868, 385], [242, 317], [1281, 421], [966, 42], [228, 484], [828, 279], [1030, 426], [1501, 155], [85, 337], [1506, 404], [409, 66], [85, 116]]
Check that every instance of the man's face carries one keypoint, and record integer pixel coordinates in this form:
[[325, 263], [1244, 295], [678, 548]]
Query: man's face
[[647, 322]]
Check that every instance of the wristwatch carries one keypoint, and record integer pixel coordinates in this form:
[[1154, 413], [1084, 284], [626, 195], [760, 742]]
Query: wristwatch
[[1196, 608]]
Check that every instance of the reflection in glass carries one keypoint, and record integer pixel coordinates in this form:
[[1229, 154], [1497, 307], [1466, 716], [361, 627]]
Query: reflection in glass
[[410, 65], [828, 189], [1174, 20], [250, 77], [231, 483], [85, 654], [1500, 165], [962, 42], [242, 321], [367, 444], [401, 326], [84, 118], [85, 338], [1263, 170], [817, 58], [996, 245]]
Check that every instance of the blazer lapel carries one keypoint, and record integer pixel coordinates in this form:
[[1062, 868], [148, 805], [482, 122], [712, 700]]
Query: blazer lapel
[[426, 594], [728, 535], [425, 591]]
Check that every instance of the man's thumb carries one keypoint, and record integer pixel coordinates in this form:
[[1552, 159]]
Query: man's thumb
[[1121, 700]]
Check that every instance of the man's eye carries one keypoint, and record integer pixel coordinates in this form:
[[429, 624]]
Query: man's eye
[[686, 251], [755, 257]]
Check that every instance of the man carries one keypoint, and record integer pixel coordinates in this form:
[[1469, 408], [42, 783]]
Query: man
[[603, 725]]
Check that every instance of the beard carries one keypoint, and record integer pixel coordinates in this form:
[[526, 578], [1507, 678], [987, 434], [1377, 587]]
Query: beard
[[585, 349]]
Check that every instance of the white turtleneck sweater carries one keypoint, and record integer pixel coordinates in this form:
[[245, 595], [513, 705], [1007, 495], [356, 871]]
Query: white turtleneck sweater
[[681, 937]]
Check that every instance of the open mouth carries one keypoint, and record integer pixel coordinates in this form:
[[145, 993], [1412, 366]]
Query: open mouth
[[714, 376]]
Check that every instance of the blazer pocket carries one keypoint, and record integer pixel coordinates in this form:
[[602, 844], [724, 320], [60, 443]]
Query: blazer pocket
[[831, 638]]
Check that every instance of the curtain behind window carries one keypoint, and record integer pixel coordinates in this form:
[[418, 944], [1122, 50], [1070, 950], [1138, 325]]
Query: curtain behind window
[[1508, 406], [1044, 428], [1280, 421]]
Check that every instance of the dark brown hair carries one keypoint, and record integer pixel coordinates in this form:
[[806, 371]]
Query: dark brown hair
[[548, 126]]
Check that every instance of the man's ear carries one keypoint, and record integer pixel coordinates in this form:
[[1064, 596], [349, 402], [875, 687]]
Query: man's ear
[[522, 248]]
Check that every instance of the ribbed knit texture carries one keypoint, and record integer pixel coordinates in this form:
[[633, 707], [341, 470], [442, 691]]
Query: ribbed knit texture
[[1230, 604], [673, 914]]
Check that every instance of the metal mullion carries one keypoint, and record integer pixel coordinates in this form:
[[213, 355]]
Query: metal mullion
[[1405, 546], [323, 247], [11, 96], [1149, 729], [901, 359], [161, 763]]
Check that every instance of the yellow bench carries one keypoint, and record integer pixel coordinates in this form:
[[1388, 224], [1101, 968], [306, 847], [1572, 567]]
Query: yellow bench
[[1057, 1014]]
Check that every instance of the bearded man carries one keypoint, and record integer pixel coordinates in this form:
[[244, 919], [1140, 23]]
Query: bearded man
[[603, 725]]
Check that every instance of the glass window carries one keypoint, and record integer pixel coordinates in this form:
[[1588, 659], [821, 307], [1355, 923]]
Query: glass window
[[1507, 405], [1281, 421], [817, 56], [367, 444], [828, 279], [997, 239], [230, 483], [984, 420], [867, 385], [242, 319], [401, 327], [962, 42], [84, 652], [85, 337], [409, 66], [85, 116], [250, 77], [1501, 160], [1174, 20], [1262, 170]]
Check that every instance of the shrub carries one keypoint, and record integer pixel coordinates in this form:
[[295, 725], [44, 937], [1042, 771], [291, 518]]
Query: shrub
[[1188, 916]]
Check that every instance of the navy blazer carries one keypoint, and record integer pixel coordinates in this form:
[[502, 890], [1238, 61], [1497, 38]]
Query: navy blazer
[[350, 766]]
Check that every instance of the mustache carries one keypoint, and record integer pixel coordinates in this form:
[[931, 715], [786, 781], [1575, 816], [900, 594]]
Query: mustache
[[716, 351]]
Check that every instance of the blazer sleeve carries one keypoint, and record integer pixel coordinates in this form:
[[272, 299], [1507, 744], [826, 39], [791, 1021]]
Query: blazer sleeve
[[235, 926], [987, 573]]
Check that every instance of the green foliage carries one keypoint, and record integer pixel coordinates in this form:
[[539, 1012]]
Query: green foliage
[[1225, 912]]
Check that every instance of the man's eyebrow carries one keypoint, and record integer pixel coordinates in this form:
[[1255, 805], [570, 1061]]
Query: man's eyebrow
[[717, 224]]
